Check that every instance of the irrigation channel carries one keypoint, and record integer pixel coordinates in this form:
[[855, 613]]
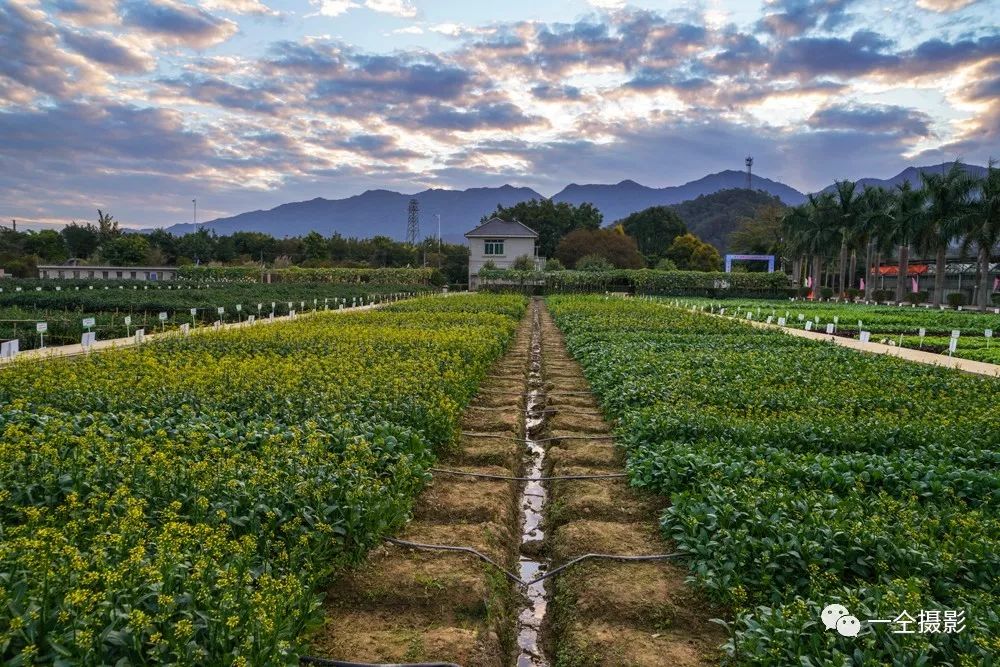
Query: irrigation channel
[[528, 547]]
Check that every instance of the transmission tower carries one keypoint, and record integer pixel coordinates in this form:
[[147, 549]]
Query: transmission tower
[[413, 222], [749, 163]]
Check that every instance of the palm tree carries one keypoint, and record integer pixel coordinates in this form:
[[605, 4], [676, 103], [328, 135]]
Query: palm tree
[[817, 232], [983, 229], [794, 221], [948, 196], [909, 214], [875, 223], [848, 208]]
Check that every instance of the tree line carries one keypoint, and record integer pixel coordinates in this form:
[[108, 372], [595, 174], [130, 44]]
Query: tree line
[[107, 243]]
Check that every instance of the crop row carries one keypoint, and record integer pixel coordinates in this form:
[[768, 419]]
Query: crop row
[[179, 503], [64, 310], [803, 474], [893, 325]]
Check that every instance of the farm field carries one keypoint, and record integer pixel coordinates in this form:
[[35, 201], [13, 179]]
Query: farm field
[[886, 323], [801, 475], [181, 502], [63, 309]]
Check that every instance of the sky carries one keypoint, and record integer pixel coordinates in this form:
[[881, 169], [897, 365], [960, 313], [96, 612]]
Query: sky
[[138, 107]]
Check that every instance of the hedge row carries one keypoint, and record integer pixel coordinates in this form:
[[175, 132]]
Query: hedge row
[[645, 281], [295, 274]]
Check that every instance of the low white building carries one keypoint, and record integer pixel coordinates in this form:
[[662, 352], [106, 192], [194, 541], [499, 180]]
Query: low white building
[[500, 242], [71, 271]]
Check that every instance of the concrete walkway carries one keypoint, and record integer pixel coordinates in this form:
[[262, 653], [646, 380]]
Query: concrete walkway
[[41, 354], [920, 356]]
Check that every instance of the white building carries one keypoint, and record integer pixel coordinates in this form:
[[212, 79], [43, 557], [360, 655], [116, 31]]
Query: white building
[[500, 242], [70, 271]]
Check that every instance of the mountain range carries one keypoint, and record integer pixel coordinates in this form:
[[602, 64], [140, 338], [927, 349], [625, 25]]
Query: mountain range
[[384, 212]]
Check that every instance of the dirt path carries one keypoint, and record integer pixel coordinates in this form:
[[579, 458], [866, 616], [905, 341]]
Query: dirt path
[[606, 612], [534, 417], [908, 353]]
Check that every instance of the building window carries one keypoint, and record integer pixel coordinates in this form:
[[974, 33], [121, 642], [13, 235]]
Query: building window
[[119, 274], [493, 247]]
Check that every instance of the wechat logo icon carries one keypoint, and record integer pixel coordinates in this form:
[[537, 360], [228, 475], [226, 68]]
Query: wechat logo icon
[[836, 616]]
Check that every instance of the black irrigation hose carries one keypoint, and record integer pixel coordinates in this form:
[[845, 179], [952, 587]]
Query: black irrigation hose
[[595, 436], [325, 662], [516, 579], [550, 573], [529, 479], [449, 547]]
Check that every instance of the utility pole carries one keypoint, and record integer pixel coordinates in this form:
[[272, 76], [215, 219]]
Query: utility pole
[[749, 164], [439, 241], [195, 215]]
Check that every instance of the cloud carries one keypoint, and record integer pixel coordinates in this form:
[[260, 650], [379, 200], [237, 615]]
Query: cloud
[[490, 115], [392, 78], [872, 118], [401, 8], [87, 12], [808, 57], [943, 6], [114, 53], [795, 17], [556, 92], [253, 7], [114, 131], [176, 23], [333, 7], [35, 63], [223, 93]]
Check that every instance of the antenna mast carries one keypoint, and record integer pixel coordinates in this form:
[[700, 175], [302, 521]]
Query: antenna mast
[[413, 222], [749, 164]]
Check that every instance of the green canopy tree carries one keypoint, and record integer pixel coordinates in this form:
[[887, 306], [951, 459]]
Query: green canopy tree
[[552, 220], [81, 240], [690, 253], [654, 229], [125, 250], [619, 249]]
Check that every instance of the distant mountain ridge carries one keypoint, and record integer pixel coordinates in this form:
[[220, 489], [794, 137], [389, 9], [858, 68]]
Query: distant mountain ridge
[[912, 175], [619, 200], [372, 213], [383, 212]]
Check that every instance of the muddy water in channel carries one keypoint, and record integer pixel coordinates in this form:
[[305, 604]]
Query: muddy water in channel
[[533, 497]]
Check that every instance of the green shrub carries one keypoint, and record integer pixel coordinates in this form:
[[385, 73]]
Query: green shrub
[[554, 265], [917, 297], [881, 295], [826, 292], [854, 292], [523, 263], [956, 299], [593, 263], [666, 264]]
